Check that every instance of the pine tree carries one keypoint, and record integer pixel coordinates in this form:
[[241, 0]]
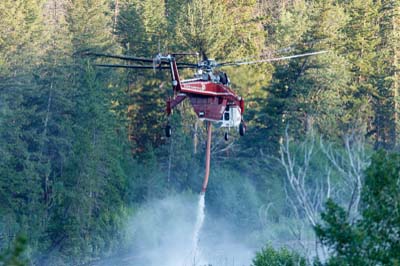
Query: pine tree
[[371, 240], [142, 32], [224, 29], [75, 154], [304, 92], [205, 26], [20, 45], [386, 103], [142, 26], [359, 46]]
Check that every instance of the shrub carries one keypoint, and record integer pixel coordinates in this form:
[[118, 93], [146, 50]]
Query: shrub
[[268, 256]]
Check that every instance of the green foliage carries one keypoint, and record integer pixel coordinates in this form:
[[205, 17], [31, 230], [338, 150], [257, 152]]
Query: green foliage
[[89, 25], [181, 166], [141, 31], [381, 211], [141, 26], [304, 92], [16, 255], [63, 173], [19, 35], [203, 26], [219, 28], [385, 80], [371, 240], [268, 256], [19, 46], [341, 236]]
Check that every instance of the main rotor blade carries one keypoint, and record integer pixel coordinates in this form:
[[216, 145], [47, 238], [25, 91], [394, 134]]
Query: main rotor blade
[[142, 59], [124, 57], [142, 67], [270, 59], [191, 65]]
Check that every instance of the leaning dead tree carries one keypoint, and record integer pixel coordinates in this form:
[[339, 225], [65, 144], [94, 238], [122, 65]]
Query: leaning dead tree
[[306, 199], [351, 163], [306, 194]]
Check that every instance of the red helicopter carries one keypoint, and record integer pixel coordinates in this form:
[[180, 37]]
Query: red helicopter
[[208, 91]]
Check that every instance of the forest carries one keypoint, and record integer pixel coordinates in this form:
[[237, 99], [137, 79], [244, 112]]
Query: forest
[[88, 177]]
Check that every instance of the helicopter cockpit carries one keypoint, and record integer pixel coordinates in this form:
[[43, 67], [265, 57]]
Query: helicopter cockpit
[[232, 117]]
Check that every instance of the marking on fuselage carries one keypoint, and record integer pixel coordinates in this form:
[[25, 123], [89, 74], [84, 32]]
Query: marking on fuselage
[[203, 87]]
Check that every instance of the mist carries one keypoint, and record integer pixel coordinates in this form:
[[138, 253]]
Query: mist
[[162, 232]]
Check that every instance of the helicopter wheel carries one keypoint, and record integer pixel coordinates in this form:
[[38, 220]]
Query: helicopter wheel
[[226, 136], [242, 129], [168, 131]]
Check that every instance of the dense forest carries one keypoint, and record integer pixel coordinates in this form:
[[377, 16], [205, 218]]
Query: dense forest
[[87, 176]]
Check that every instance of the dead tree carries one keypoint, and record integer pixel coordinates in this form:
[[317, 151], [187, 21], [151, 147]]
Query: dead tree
[[306, 196], [351, 164], [296, 168]]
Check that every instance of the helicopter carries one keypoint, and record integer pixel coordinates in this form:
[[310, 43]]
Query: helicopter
[[208, 90]]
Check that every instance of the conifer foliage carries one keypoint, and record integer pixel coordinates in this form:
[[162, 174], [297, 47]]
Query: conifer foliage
[[62, 175], [82, 146]]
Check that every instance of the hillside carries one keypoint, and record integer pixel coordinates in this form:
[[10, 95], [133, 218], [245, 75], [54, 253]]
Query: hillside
[[88, 177]]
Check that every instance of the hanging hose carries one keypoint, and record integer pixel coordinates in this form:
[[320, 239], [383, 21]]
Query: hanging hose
[[208, 157]]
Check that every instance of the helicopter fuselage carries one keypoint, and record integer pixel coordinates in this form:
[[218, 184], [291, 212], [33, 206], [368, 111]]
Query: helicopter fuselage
[[210, 96]]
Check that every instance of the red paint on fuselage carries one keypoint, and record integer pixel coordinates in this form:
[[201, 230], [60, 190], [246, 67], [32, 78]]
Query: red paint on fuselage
[[209, 100], [208, 107], [208, 89]]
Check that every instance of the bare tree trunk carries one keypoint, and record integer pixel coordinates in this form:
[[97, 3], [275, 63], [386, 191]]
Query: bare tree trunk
[[396, 33], [52, 9], [116, 14], [45, 180], [305, 199], [296, 174]]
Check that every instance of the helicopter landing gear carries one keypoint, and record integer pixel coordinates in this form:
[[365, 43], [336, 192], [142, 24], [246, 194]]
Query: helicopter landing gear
[[242, 129], [168, 131], [226, 136]]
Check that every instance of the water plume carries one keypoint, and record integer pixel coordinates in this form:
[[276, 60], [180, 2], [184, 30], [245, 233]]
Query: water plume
[[199, 224]]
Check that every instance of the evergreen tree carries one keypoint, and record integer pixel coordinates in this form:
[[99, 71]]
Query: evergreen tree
[[305, 92], [205, 26], [15, 256], [89, 192], [371, 240], [384, 79], [142, 32], [358, 45], [20, 45]]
